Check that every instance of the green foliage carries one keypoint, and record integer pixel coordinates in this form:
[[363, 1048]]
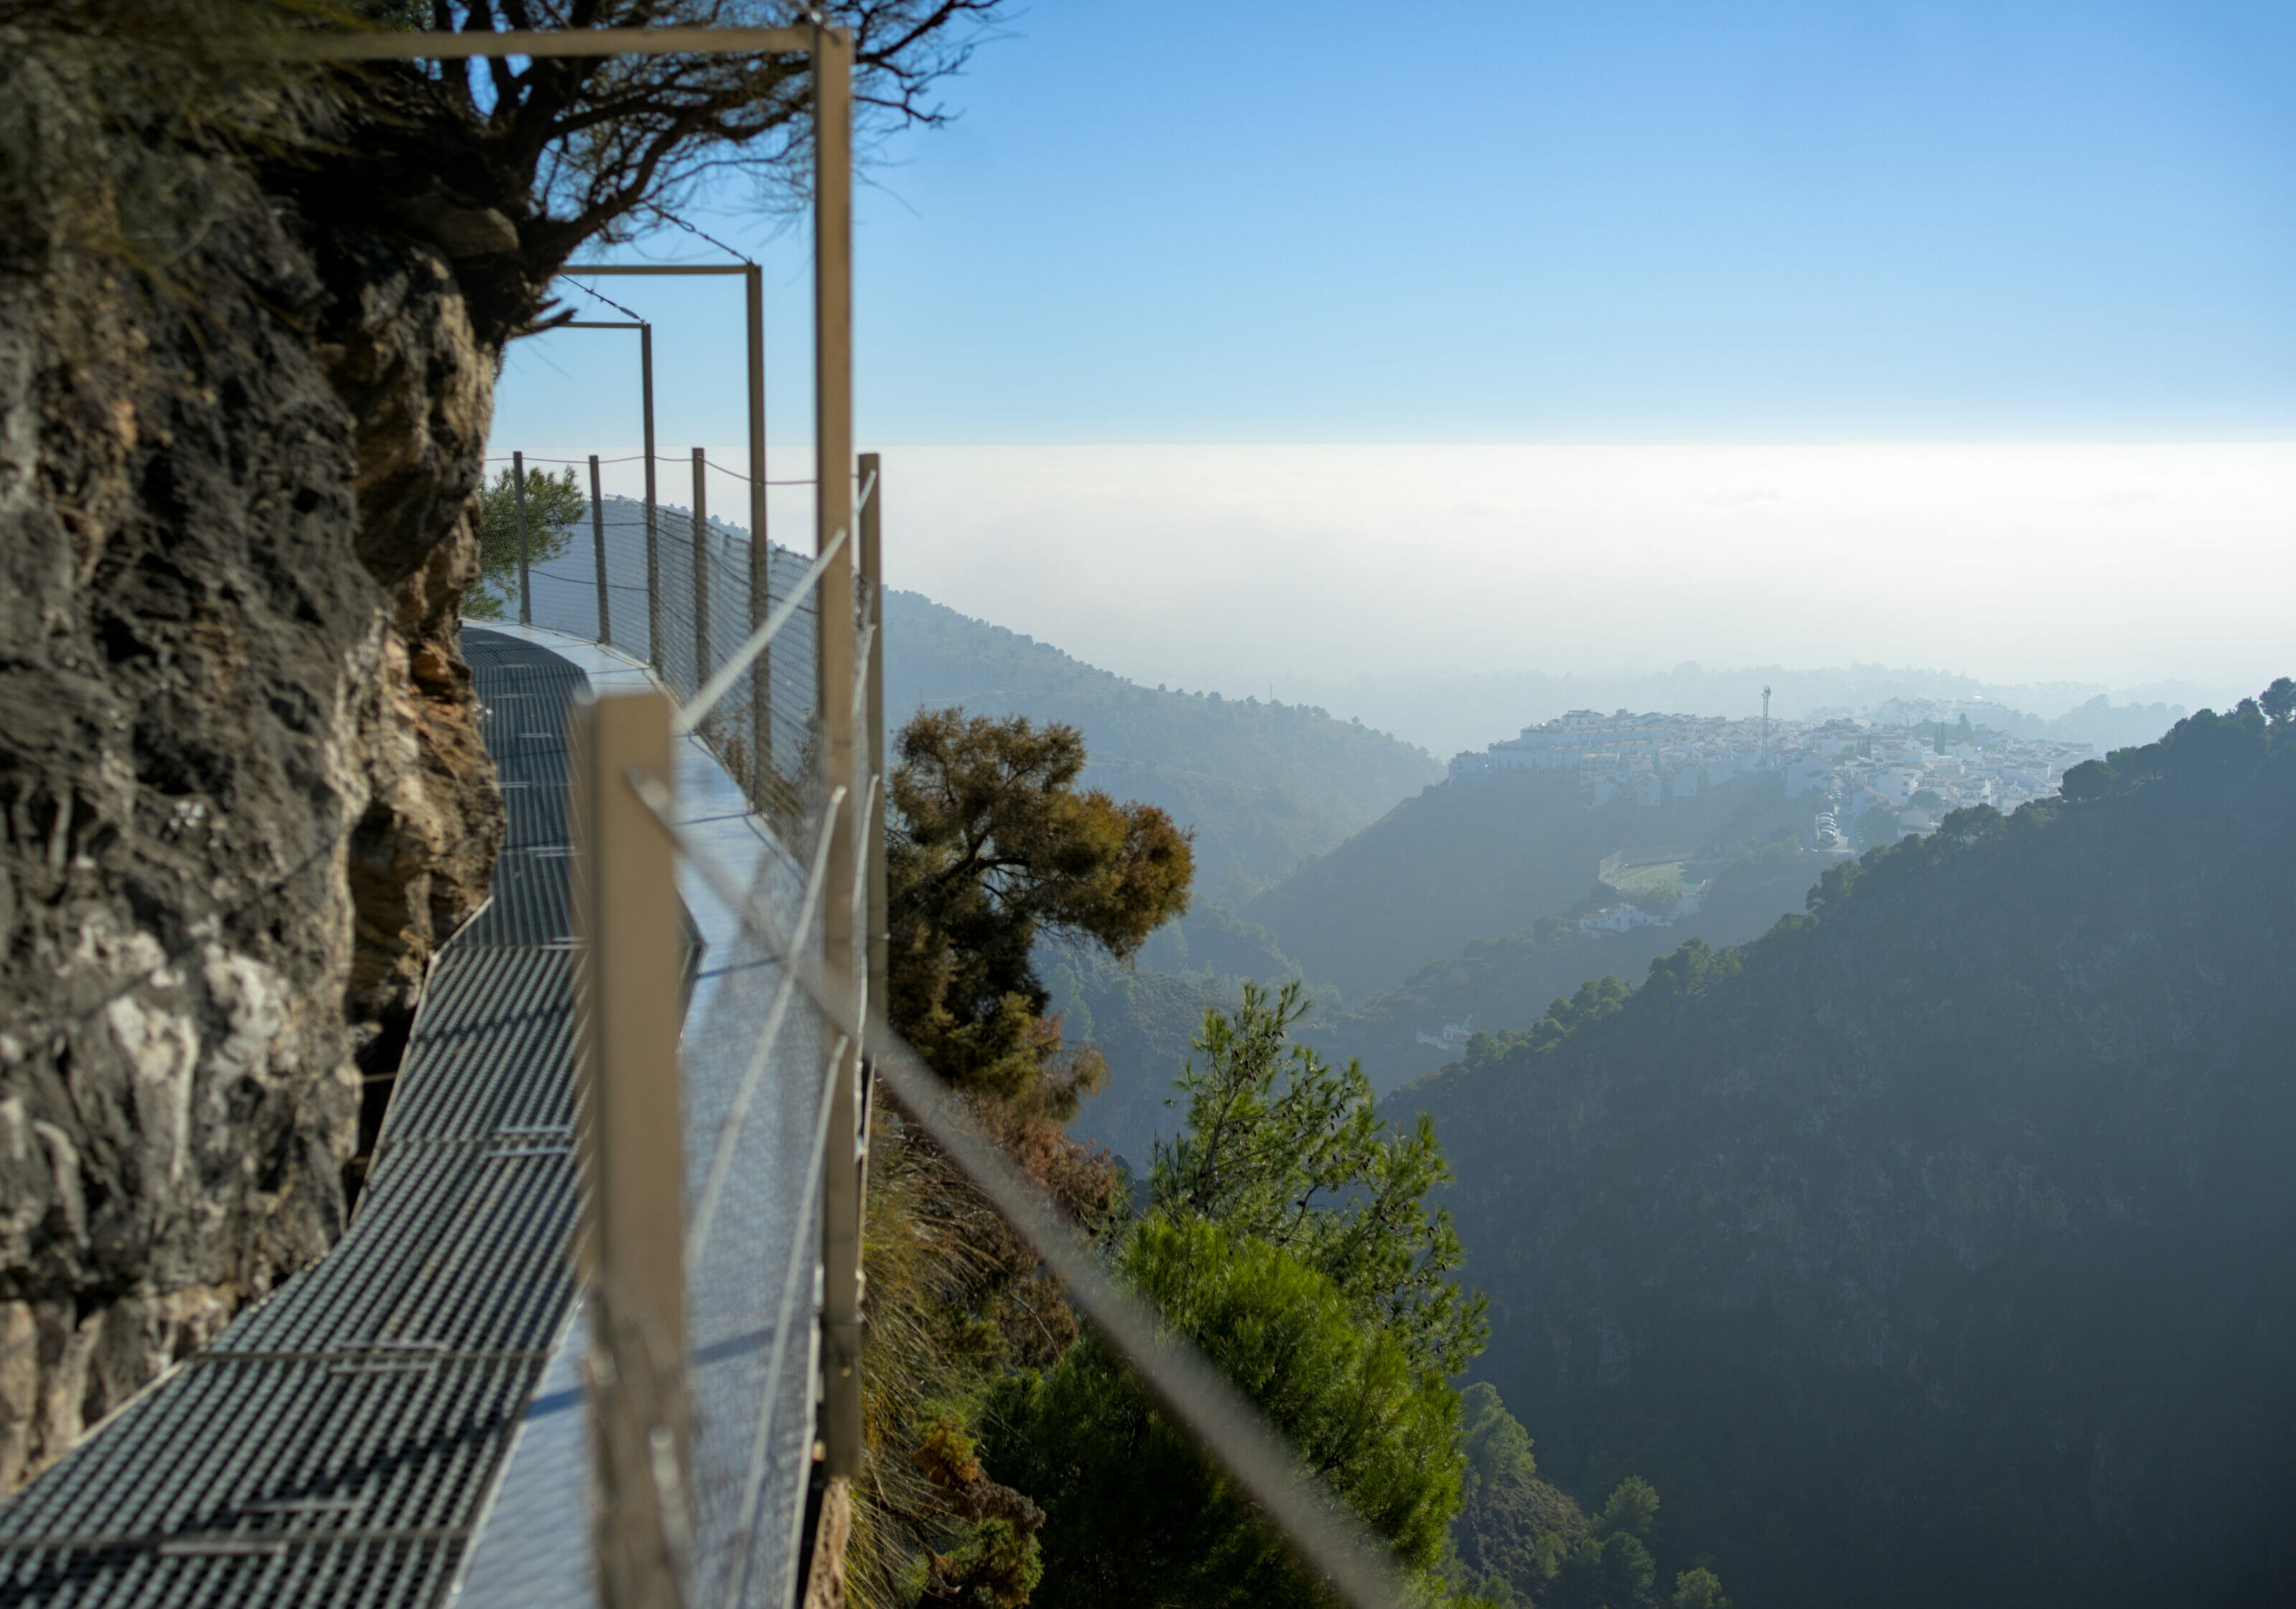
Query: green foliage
[[1878, 827], [992, 846], [1288, 1237], [1782, 847], [2278, 701], [1282, 1146], [1698, 1587], [1593, 1001], [1632, 1505], [1522, 1541], [1892, 1113], [997, 1561], [1614, 1573], [2090, 779], [1690, 969], [1136, 1516], [1497, 1445], [554, 505]]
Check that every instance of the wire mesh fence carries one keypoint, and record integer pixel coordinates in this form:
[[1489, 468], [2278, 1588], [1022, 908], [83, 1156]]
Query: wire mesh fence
[[755, 1061], [777, 1058], [683, 595]]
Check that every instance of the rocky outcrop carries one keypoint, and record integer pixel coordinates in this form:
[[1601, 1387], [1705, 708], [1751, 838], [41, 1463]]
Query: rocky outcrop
[[242, 797]]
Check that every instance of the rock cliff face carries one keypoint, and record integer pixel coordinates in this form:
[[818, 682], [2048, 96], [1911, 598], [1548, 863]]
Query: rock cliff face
[[242, 797], [1936, 1250]]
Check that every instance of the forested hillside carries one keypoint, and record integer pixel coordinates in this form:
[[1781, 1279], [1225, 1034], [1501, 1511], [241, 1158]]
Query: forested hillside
[[1482, 856], [1142, 1024], [1142, 1020], [1505, 982], [1934, 1247], [1266, 786]]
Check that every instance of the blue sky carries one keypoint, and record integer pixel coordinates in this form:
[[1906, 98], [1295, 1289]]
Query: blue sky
[[1662, 221], [1516, 222], [1676, 222]]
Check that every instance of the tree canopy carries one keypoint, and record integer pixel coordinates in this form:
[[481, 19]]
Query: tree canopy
[[993, 848], [1135, 1514], [990, 847], [553, 505], [1281, 1145], [1497, 1445], [511, 164], [1288, 1237]]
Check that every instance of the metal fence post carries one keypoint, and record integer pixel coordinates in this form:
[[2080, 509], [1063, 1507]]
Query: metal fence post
[[832, 326], [654, 656], [598, 542], [632, 1257], [525, 597], [701, 570], [872, 584], [761, 547]]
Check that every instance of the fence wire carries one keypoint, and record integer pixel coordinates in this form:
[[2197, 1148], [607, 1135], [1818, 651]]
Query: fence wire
[[754, 1093], [756, 1060], [695, 615], [682, 596]]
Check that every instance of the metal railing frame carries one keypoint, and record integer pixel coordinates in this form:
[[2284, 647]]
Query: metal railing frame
[[633, 1252], [652, 542], [753, 305]]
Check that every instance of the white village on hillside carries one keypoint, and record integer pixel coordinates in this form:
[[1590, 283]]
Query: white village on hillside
[[1868, 780], [1916, 770]]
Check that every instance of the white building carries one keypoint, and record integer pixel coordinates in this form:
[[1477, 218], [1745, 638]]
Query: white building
[[1621, 918]]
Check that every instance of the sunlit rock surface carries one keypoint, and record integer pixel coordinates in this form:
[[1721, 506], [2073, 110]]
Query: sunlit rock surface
[[242, 797]]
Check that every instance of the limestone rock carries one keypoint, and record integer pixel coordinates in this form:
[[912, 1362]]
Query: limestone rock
[[242, 797]]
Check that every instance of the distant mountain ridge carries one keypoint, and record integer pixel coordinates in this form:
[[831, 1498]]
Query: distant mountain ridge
[[1933, 1248], [1467, 862], [1507, 982], [1449, 711], [1267, 786]]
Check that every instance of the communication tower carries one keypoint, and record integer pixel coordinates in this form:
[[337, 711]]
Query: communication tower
[[1766, 727]]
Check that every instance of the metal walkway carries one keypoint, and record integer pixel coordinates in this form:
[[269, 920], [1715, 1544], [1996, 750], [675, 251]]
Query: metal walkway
[[334, 1447]]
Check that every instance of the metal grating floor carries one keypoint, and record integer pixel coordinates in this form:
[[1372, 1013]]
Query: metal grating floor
[[335, 1444]]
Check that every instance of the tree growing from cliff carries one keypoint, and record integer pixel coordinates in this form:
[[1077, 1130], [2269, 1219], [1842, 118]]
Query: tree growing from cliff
[[993, 847], [554, 504], [1281, 1145], [512, 164]]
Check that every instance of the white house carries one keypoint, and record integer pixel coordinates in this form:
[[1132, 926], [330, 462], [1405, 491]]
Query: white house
[[1620, 918], [1896, 785], [1805, 773]]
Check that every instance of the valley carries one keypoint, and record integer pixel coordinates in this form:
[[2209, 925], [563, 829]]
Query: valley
[[1849, 1201]]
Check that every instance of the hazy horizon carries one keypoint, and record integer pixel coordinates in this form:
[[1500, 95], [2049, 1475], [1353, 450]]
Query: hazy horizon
[[1300, 572], [1365, 578], [2027, 275]]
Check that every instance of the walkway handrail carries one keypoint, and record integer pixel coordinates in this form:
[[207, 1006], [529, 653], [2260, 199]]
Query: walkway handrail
[[696, 709], [1333, 1540]]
